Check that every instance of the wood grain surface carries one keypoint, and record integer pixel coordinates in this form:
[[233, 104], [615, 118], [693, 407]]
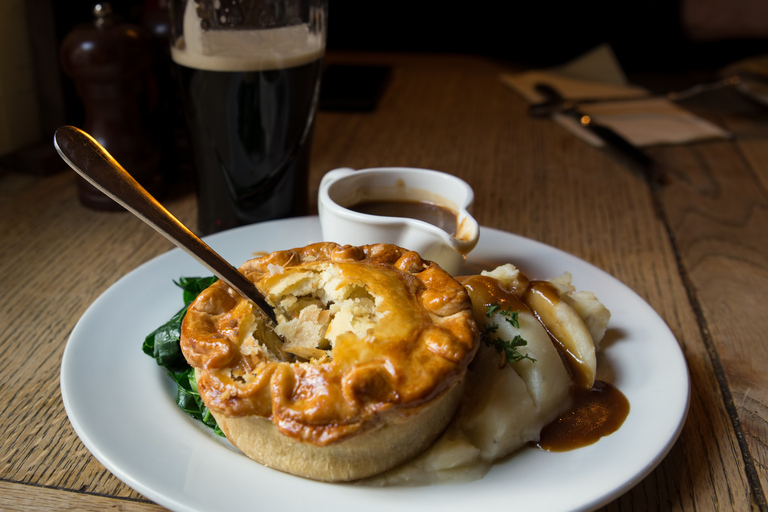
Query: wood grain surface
[[696, 250]]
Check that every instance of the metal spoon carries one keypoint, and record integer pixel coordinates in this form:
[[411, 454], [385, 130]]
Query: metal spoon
[[89, 159]]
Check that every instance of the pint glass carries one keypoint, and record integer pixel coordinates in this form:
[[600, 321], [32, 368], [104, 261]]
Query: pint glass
[[250, 73]]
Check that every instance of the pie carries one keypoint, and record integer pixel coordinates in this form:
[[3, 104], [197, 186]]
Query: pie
[[365, 367]]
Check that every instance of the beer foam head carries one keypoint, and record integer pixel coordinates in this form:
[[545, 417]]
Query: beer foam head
[[245, 50]]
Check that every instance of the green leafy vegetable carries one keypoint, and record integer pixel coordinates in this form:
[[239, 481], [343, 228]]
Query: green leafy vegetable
[[507, 347], [188, 399], [163, 345], [510, 316], [193, 286]]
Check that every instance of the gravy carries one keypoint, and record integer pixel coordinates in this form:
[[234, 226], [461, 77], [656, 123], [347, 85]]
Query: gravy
[[435, 214], [596, 411]]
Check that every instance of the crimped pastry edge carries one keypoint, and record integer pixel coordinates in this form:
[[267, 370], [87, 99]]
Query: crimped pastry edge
[[367, 454]]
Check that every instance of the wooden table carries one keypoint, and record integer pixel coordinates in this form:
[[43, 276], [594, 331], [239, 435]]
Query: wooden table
[[696, 250]]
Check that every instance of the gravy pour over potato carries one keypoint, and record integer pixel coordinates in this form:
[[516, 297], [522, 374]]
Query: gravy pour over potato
[[506, 403]]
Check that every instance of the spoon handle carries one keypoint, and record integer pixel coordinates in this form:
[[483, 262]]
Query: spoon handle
[[89, 159]]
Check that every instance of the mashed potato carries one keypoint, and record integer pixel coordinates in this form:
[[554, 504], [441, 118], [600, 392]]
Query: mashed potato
[[506, 404]]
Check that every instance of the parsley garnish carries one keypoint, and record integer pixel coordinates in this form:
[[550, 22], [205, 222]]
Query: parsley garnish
[[509, 316], [509, 348], [163, 345]]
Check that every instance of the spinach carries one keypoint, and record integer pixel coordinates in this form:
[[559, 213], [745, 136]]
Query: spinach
[[193, 286], [162, 344], [188, 399]]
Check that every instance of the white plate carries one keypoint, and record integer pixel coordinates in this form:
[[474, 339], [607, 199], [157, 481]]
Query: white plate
[[121, 403]]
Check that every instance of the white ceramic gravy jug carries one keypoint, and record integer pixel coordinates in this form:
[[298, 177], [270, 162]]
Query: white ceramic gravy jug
[[344, 189]]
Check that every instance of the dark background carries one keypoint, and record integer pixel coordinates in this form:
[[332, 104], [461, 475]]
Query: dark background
[[646, 35]]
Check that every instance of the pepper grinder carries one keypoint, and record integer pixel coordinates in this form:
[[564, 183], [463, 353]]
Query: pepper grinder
[[110, 63]]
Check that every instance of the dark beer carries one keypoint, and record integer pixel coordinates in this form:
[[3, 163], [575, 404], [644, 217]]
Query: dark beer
[[251, 132]]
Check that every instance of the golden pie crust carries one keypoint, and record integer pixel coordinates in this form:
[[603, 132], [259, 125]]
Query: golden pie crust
[[369, 370]]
